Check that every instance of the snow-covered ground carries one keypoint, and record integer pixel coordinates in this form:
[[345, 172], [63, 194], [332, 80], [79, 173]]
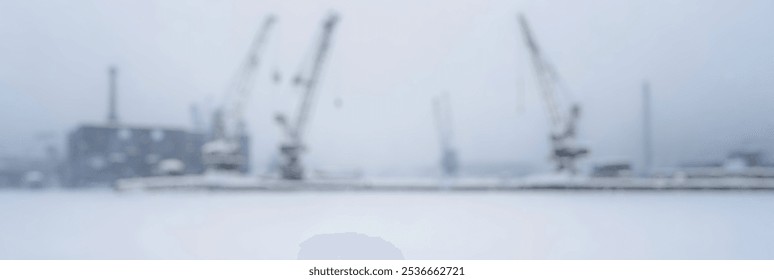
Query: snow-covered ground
[[421, 225]]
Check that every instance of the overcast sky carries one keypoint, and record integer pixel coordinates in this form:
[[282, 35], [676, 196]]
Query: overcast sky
[[710, 63]]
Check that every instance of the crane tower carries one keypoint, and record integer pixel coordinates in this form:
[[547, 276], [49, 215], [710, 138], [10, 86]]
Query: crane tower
[[225, 150], [563, 115], [443, 119], [307, 80]]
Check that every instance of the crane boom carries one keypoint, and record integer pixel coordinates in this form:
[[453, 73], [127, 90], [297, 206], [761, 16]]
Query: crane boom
[[244, 80], [291, 167], [544, 72], [563, 126], [226, 150], [309, 84]]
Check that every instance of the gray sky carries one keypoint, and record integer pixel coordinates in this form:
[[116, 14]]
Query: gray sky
[[710, 63]]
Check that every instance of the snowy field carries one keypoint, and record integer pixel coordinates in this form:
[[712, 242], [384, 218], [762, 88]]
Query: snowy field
[[423, 225]]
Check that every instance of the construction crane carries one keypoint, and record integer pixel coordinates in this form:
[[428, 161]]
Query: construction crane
[[307, 80], [564, 116], [226, 149], [443, 121]]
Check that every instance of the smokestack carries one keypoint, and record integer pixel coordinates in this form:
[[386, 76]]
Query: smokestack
[[196, 118], [112, 91], [647, 149]]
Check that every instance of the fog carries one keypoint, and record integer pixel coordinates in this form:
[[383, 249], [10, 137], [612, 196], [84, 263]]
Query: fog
[[710, 65]]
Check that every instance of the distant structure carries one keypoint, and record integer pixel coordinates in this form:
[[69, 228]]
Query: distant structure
[[291, 167], [227, 149], [564, 117], [196, 118], [741, 159], [613, 169], [647, 149], [739, 163], [100, 154], [29, 172], [443, 119], [113, 95]]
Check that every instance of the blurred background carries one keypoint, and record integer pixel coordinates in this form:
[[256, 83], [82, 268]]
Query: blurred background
[[709, 65], [94, 91]]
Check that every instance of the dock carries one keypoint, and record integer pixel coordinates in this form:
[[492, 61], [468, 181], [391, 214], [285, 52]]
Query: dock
[[249, 183]]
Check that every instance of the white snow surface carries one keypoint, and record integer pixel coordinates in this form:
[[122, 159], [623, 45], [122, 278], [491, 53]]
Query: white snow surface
[[53, 224]]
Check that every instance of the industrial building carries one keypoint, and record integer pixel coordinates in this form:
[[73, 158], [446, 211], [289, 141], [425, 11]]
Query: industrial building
[[28, 172], [100, 154], [104, 153]]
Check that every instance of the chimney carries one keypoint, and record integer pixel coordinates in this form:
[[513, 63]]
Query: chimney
[[647, 149], [112, 91]]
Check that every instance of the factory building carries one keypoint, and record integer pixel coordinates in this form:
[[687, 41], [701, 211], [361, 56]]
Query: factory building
[[100, 154], [27, 172]]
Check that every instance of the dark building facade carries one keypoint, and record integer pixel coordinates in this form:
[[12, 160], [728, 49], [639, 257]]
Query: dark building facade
[[27, 172], [101, 154]]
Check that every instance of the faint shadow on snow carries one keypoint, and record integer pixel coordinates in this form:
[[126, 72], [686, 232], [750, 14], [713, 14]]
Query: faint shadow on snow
[[348, 246]]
